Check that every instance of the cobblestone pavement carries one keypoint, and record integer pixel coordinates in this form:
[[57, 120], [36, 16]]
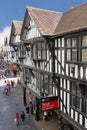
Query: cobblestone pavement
[[9, 105]]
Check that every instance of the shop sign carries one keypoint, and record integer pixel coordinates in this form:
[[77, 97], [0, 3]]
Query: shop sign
[[49, 103]]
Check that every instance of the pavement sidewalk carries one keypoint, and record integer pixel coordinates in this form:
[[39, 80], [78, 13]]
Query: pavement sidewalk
[[51, 124]]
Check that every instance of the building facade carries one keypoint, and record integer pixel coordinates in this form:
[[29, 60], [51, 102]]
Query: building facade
[[52, 53]]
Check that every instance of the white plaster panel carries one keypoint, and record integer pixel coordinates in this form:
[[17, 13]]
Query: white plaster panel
[[86, 73], [61, 82], [62, 42], [68, 102], [80, 119], [67, 69], [64, 100], [76, 116], [76, 71], [55, 42], [81, 72], [68, 85], [64, 84], [86, 123], [71, 113], [63, 61], [56, 66], [59, 42]]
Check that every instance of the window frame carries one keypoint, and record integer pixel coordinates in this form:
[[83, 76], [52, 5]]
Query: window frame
[[70, 56]]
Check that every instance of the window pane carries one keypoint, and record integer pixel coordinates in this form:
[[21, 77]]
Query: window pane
[[43, 54], [68, 42], [84, 41], [73, 88], [74, 42], [84, 55], [74, 54], [68, 54], [78, 103], [43, 45], [39, 46], [84, 107], [73, 100], [39, 54]]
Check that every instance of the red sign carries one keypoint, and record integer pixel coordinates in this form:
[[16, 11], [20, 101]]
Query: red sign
[[49, 103]]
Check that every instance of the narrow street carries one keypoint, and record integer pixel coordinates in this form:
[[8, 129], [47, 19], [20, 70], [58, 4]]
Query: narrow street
[[8, 107]]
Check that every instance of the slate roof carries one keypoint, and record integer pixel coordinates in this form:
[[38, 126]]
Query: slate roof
[[72, 20], [45, 20]]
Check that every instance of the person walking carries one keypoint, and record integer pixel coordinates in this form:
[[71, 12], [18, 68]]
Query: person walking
[[22, 116], [12, 83], [9, 90], [17, 119]]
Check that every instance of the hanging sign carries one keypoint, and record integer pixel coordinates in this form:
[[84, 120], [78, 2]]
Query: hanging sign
[[49, 103]]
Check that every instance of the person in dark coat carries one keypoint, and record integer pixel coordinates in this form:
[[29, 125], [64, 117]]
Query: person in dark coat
[[22, 116]]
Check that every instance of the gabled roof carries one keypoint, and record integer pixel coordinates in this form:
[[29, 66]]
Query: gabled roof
[[18, 26], [15, 29], [72, 20], [45, 20]]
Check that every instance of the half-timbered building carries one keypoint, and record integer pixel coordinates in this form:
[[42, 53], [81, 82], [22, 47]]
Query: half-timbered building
[[70, 65], [37, 66], [53, 56], [14, 42]]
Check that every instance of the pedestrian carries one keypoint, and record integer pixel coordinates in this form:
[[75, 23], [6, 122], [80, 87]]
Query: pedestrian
[[17, 119], [12, 83], [30, 104], [9, 89], [46, 115], [27, 109], [6, 90], [22, 116]]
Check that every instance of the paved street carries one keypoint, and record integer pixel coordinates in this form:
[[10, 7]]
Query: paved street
[[8, 108]]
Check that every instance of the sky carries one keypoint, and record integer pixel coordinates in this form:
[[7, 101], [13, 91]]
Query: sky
[[15, 10]]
